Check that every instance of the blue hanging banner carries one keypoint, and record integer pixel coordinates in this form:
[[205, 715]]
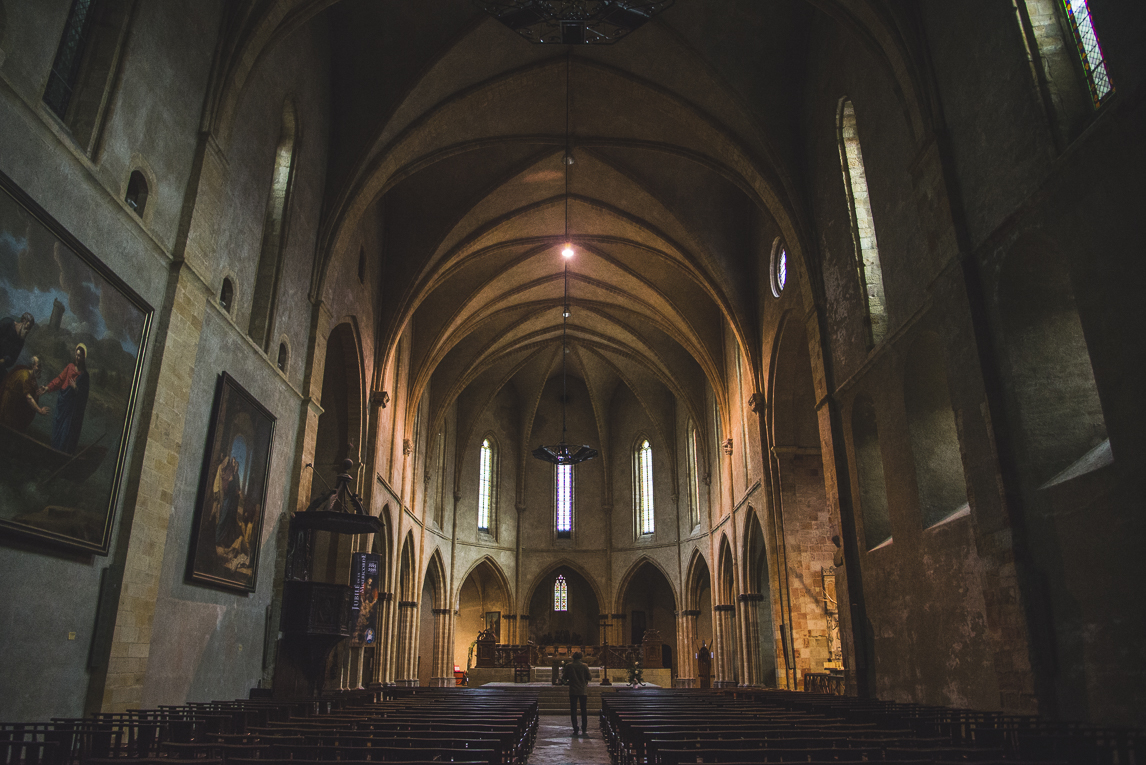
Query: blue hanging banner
[[364, 568]]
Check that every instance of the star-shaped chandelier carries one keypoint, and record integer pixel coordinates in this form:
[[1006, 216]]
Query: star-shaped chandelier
[[573, 22]]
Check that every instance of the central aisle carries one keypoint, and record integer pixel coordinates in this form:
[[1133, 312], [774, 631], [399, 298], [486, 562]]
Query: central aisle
[[556, 744]]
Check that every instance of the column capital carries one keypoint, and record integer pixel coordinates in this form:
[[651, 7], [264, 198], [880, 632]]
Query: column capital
[[726, 607]]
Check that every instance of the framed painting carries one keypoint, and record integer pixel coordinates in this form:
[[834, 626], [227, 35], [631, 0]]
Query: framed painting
[[72, 342], [228, 524]]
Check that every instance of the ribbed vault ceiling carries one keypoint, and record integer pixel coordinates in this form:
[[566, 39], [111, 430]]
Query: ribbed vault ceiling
[[451, 130]]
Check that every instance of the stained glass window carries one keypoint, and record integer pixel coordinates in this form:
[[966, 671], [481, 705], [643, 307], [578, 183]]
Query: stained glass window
[[485, 485], [560, 593], [1089, 50], [645, 487], [564, 501], [779, 267], [66, 68]]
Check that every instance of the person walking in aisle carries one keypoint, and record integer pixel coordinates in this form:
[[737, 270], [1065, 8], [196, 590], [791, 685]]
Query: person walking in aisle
[[577, 676]]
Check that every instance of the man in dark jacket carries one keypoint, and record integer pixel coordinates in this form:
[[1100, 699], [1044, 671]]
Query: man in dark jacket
[[577, 676]]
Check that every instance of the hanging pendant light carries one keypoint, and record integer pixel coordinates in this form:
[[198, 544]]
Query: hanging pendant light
[[573, 22], [564, 453]]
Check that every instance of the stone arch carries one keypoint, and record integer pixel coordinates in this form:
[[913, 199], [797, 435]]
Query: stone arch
[[406, 571], [726, 584], [381, 544], [648, 601], [579, 623], [484, 589], [758, 600], [523, 605], [337, 437], [696, 578], [627, 579], [495, 571]]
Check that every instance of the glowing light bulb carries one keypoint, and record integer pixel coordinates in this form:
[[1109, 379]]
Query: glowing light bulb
[[568, 251]]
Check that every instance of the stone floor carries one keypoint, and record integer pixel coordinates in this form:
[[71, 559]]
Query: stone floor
[[556, 744]]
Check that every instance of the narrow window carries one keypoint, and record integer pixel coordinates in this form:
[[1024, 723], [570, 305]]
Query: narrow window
[[274, 232], [779, 270], [1089, 51], [283, 354], [83, 72], [647, 523], [136, 197], [560, 594], [485, 486], [66, 68], [227, 295], [564, 501], [693, 480], [863, 225]]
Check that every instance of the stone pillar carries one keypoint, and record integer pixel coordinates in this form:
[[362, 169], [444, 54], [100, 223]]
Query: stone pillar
[[522, 629], [686, 650], [442, 670], [407, 643], [749, 615], [509, 634], [387, 640], [724, 627]]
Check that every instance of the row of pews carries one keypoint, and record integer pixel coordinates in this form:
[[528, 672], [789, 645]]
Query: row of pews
[[425, 725], [685, 727]]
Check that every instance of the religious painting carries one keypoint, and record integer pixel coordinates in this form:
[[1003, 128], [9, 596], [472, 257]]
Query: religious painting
[[493, 624], [227, 530], [72, 340], [364, 569]]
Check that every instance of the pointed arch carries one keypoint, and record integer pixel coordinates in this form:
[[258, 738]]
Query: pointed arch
[[726, 584], [436, 576], [406, 572], [697, 576], [547, 572], [495, 571], [627, 579]]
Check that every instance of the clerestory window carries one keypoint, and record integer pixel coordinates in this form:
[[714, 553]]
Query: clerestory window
[[563, 501], [485, 485], [1089, 51], [646, 522], [863, 225]]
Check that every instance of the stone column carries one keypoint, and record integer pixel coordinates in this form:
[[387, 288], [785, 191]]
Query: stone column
[[724, 627], [510, 632], [407, 643], [686, 649], [441, 670], [387, 640], [749, 615], [522, 629]]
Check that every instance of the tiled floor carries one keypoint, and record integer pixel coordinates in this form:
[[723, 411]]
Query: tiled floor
[[556, 744]]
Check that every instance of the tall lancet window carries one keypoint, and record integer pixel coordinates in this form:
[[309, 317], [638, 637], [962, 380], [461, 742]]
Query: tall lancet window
[[863, 225], [485, 486], [646, 523], [560, 594], [563, 501], [1089, 51]]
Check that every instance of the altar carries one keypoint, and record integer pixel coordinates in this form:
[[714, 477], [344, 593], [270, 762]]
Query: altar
[[499, 662]]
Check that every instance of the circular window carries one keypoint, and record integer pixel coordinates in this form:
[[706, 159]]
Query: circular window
[[779, 267]]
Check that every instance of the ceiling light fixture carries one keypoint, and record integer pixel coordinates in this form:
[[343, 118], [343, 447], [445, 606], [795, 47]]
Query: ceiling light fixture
[[563, 453], [573, 22]]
